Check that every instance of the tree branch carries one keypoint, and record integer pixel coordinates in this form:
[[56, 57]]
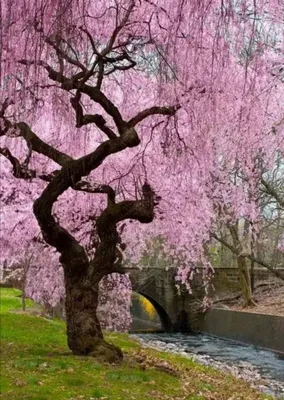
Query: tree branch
[[250, 257], [72, 254], [269, 189], [35, 143], [86, 119], [99, 97], [19, 170], [63, 55], [94, 93], [118, 29], [40, 146], [140, 210], [87, 187], [153, 111]]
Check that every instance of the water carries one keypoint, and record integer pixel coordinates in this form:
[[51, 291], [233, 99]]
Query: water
[[270, 365]]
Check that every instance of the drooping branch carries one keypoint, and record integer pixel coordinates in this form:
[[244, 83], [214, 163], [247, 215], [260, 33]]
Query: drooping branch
[[21, 171], [249, 256], [101, 59], [91, 39], [40, 146], [119, 28], [55, 43], [94, 93]]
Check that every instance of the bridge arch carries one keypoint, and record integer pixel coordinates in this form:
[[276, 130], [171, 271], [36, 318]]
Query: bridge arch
[[163, 315], [159, 287]]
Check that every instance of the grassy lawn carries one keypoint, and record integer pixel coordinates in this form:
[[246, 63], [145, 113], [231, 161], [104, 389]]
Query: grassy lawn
[[37, 365]]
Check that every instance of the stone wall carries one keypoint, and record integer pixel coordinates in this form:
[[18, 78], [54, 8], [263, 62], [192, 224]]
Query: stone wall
[[266, 331], [227, 279]]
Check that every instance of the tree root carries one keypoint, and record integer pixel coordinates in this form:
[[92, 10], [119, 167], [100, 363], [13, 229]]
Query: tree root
[[98, 348], [105, 352]]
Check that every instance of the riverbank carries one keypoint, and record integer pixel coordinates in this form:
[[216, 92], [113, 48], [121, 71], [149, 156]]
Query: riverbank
[[244, 362], [37, 365]]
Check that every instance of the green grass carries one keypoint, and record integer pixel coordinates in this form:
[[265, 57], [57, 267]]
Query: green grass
[[36, 364]]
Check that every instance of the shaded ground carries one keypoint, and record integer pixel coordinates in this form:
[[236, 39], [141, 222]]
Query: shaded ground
[[268, 295], [37, 365]]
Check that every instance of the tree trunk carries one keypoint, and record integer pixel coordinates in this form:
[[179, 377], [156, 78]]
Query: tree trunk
[[84, 332], [24, 282], [252, 276], [23, 297], [239, 245], [245, 282], [252, 263]]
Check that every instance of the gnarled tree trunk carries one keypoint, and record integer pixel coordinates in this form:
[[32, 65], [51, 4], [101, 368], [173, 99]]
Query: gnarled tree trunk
[[82, 276], [84, 332]]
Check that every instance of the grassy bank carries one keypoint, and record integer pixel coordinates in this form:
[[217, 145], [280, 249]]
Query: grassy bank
[[37, 365]]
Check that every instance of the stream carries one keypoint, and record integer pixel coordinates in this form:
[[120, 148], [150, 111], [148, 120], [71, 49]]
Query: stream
[[263, 369]]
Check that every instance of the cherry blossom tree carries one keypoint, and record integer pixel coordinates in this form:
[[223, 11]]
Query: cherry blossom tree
[[123, 120]]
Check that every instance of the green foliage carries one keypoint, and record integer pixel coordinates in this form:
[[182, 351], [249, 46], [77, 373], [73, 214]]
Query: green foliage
[[214, 255]]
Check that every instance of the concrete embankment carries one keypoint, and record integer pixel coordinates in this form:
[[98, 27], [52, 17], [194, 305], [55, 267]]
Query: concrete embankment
[[266, 331]]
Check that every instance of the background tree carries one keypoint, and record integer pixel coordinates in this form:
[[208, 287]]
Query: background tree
[[259, 244]]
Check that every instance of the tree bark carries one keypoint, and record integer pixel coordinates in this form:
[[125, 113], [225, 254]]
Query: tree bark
[[24, 296], [84, 332], [252, 277], [252, 264], [24, 283], [245, 282], [239, 244]]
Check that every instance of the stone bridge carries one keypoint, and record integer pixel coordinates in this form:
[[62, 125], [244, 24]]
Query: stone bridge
[[176, 311], [182, 312]]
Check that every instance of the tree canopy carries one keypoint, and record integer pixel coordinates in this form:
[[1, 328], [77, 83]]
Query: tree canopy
[[124, 120]]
